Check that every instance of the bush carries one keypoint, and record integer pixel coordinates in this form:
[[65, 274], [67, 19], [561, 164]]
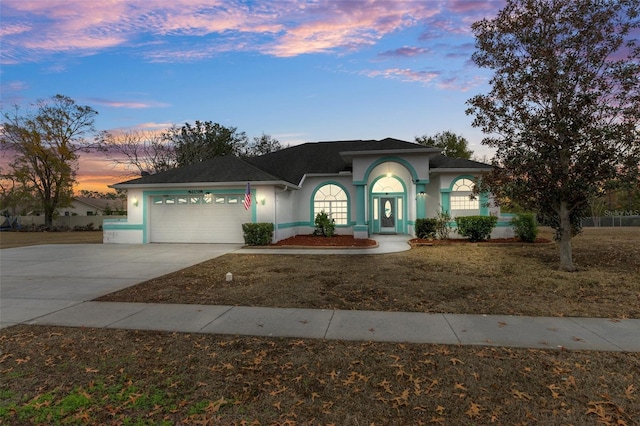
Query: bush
[[442, 225], [476, 228], [426, 228], [525, 227], [325, 226], [257, 234]]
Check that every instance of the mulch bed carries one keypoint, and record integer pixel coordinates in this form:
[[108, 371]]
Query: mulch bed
[[418, 242], [319, 241]]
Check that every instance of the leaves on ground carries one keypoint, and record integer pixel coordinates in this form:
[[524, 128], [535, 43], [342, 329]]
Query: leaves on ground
[[91, 376]]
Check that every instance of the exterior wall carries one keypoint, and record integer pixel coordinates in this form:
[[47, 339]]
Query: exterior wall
[[303, 220], [80, 209]]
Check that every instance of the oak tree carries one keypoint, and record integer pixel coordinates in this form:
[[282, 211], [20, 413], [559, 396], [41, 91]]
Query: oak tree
[[44, 145], [204, 140], [563, 111], [452, 145]]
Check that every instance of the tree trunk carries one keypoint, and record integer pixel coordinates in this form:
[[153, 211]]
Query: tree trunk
[[566, 257], [48, 216]]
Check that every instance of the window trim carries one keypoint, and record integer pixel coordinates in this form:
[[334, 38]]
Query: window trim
[[347, 201]]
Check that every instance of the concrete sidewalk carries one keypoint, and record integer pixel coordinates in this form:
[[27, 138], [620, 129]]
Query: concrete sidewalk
[[53, 285], [487, 330]]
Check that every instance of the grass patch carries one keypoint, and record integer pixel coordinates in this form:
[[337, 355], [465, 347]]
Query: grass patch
[[518, 279], [138, 377]]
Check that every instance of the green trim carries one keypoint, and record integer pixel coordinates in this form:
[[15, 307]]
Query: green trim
[[146, 196], [360, 203], [400, 223], [122, 227], [312, 218], [445, 195], [405, 163]]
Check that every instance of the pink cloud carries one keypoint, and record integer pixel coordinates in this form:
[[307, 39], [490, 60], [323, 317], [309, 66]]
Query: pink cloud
[[405, 51], [283, 28], [407, 75], [126, 104]]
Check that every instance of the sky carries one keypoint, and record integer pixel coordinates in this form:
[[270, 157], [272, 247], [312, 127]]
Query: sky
[[300, 71]]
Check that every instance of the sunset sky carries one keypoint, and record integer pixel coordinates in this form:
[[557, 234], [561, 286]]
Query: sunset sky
[[300, 71]]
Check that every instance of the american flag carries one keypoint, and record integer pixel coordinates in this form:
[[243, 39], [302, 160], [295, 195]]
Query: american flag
[[247, 197]]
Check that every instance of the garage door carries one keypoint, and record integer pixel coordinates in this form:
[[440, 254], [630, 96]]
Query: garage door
[[206, 218]]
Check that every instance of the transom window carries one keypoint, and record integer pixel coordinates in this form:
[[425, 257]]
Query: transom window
[[332, 200], [387, 184]]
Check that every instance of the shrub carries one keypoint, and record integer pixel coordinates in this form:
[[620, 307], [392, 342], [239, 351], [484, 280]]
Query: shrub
[[525, 227], [442, 225], [426, 228], [257, 234], [476, 228], [325, 226]]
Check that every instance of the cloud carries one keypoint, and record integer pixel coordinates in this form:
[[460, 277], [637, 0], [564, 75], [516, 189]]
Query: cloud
[[126, 104], [34, 29], [407, 75], [404, 52]]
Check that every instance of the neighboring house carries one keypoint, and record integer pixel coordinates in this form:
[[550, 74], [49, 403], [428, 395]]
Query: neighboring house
[[84, 206], [367, 187]]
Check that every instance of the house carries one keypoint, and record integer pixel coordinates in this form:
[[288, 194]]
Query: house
[[367, 186], [85, 206]]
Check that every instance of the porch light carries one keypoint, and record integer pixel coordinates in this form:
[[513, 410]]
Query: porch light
[[134, 201], [261, 200]]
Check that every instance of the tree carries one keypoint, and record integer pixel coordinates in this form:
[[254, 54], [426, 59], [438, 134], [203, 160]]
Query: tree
[[138, 151], [14, 197], [45, 145], [452, 145], [204, 140], [261, 145], [564, 105]]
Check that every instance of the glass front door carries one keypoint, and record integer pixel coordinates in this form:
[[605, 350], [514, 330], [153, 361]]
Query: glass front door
[[387, 215]]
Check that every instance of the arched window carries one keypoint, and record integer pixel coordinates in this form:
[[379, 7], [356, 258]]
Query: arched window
[[387, 184], [332, 200], [463, 202]]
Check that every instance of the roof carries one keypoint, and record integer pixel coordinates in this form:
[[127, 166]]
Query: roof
[[98, 203], [290, 165], [441, 162], [227, 168], [323, 157]]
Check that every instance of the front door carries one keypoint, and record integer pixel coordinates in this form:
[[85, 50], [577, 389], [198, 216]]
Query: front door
[[387, 215]]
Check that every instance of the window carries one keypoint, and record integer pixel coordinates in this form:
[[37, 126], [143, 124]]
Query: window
[[463, 202], [207, 199], [233, 199], [387, 185], [220, 200], [332, 200], [182, 200], [158, 200]]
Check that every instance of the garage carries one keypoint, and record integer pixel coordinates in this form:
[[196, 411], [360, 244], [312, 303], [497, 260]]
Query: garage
[[197, 218]]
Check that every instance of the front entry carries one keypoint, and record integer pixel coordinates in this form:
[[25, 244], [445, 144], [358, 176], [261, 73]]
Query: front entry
[[387, 215]]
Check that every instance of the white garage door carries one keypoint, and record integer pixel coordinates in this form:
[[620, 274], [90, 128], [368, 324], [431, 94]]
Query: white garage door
[[206, 218]]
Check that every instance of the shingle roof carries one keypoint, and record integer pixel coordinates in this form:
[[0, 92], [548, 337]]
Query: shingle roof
[[292, 163], [219, 169], [443, 162]]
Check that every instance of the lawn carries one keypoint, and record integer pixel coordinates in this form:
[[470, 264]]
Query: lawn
[[21, 239], [55, 375], [519, 279]]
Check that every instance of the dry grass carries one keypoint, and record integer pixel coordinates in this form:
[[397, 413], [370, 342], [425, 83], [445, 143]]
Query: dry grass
[[55, 375], [516, 279], [21, 239], [98, 376]]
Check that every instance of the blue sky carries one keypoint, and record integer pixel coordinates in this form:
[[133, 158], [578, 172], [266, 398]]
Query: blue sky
[[300, 71]]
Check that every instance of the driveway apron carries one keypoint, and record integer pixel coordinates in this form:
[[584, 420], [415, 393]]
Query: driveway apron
[[38, 280]]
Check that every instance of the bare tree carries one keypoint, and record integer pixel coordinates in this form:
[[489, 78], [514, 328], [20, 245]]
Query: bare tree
[[45, 146], [138, 151]]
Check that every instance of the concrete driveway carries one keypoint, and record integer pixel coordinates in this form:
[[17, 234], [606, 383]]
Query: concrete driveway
[[39, 280]]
